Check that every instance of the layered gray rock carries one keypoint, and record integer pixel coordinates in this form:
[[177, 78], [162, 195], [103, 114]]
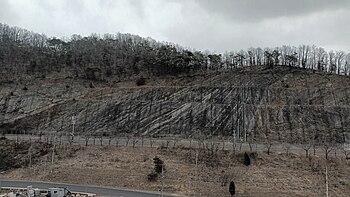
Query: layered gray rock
[[282, 103]]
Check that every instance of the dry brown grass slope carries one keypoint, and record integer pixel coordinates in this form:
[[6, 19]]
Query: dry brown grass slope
[[126, 167]]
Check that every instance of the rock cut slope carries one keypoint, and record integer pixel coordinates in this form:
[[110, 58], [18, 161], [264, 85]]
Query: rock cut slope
[[258, 102]]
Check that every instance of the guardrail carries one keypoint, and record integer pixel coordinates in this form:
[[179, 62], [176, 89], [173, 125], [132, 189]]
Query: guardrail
[[168, 142]]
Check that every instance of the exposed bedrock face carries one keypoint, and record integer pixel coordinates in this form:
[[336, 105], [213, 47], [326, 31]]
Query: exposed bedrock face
[[280, 104]]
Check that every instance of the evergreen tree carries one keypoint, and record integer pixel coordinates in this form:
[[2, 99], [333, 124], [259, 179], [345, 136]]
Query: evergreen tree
[[158, 165], [232, 188], [246, 159]]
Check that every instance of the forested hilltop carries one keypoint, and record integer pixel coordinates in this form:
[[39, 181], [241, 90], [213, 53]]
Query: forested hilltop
[[110, 56]]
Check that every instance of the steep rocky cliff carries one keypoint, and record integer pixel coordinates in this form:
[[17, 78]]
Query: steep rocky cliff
[[280, 103]]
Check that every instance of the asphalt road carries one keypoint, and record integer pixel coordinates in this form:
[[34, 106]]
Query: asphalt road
[[100, 191]]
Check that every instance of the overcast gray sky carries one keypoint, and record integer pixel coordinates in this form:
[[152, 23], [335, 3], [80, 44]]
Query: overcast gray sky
[[216, 25]]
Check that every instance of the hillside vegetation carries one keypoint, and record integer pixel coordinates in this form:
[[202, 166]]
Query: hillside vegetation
[[112, 57], [288, 93]]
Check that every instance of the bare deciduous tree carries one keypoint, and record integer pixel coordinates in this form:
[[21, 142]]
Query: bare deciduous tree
[[268, 143]]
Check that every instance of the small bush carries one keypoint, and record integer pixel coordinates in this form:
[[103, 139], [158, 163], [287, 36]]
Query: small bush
[[153, 176], [246, 159], [141, 81], [145, 158], [232, 188], [25, 88], [116, 159]]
